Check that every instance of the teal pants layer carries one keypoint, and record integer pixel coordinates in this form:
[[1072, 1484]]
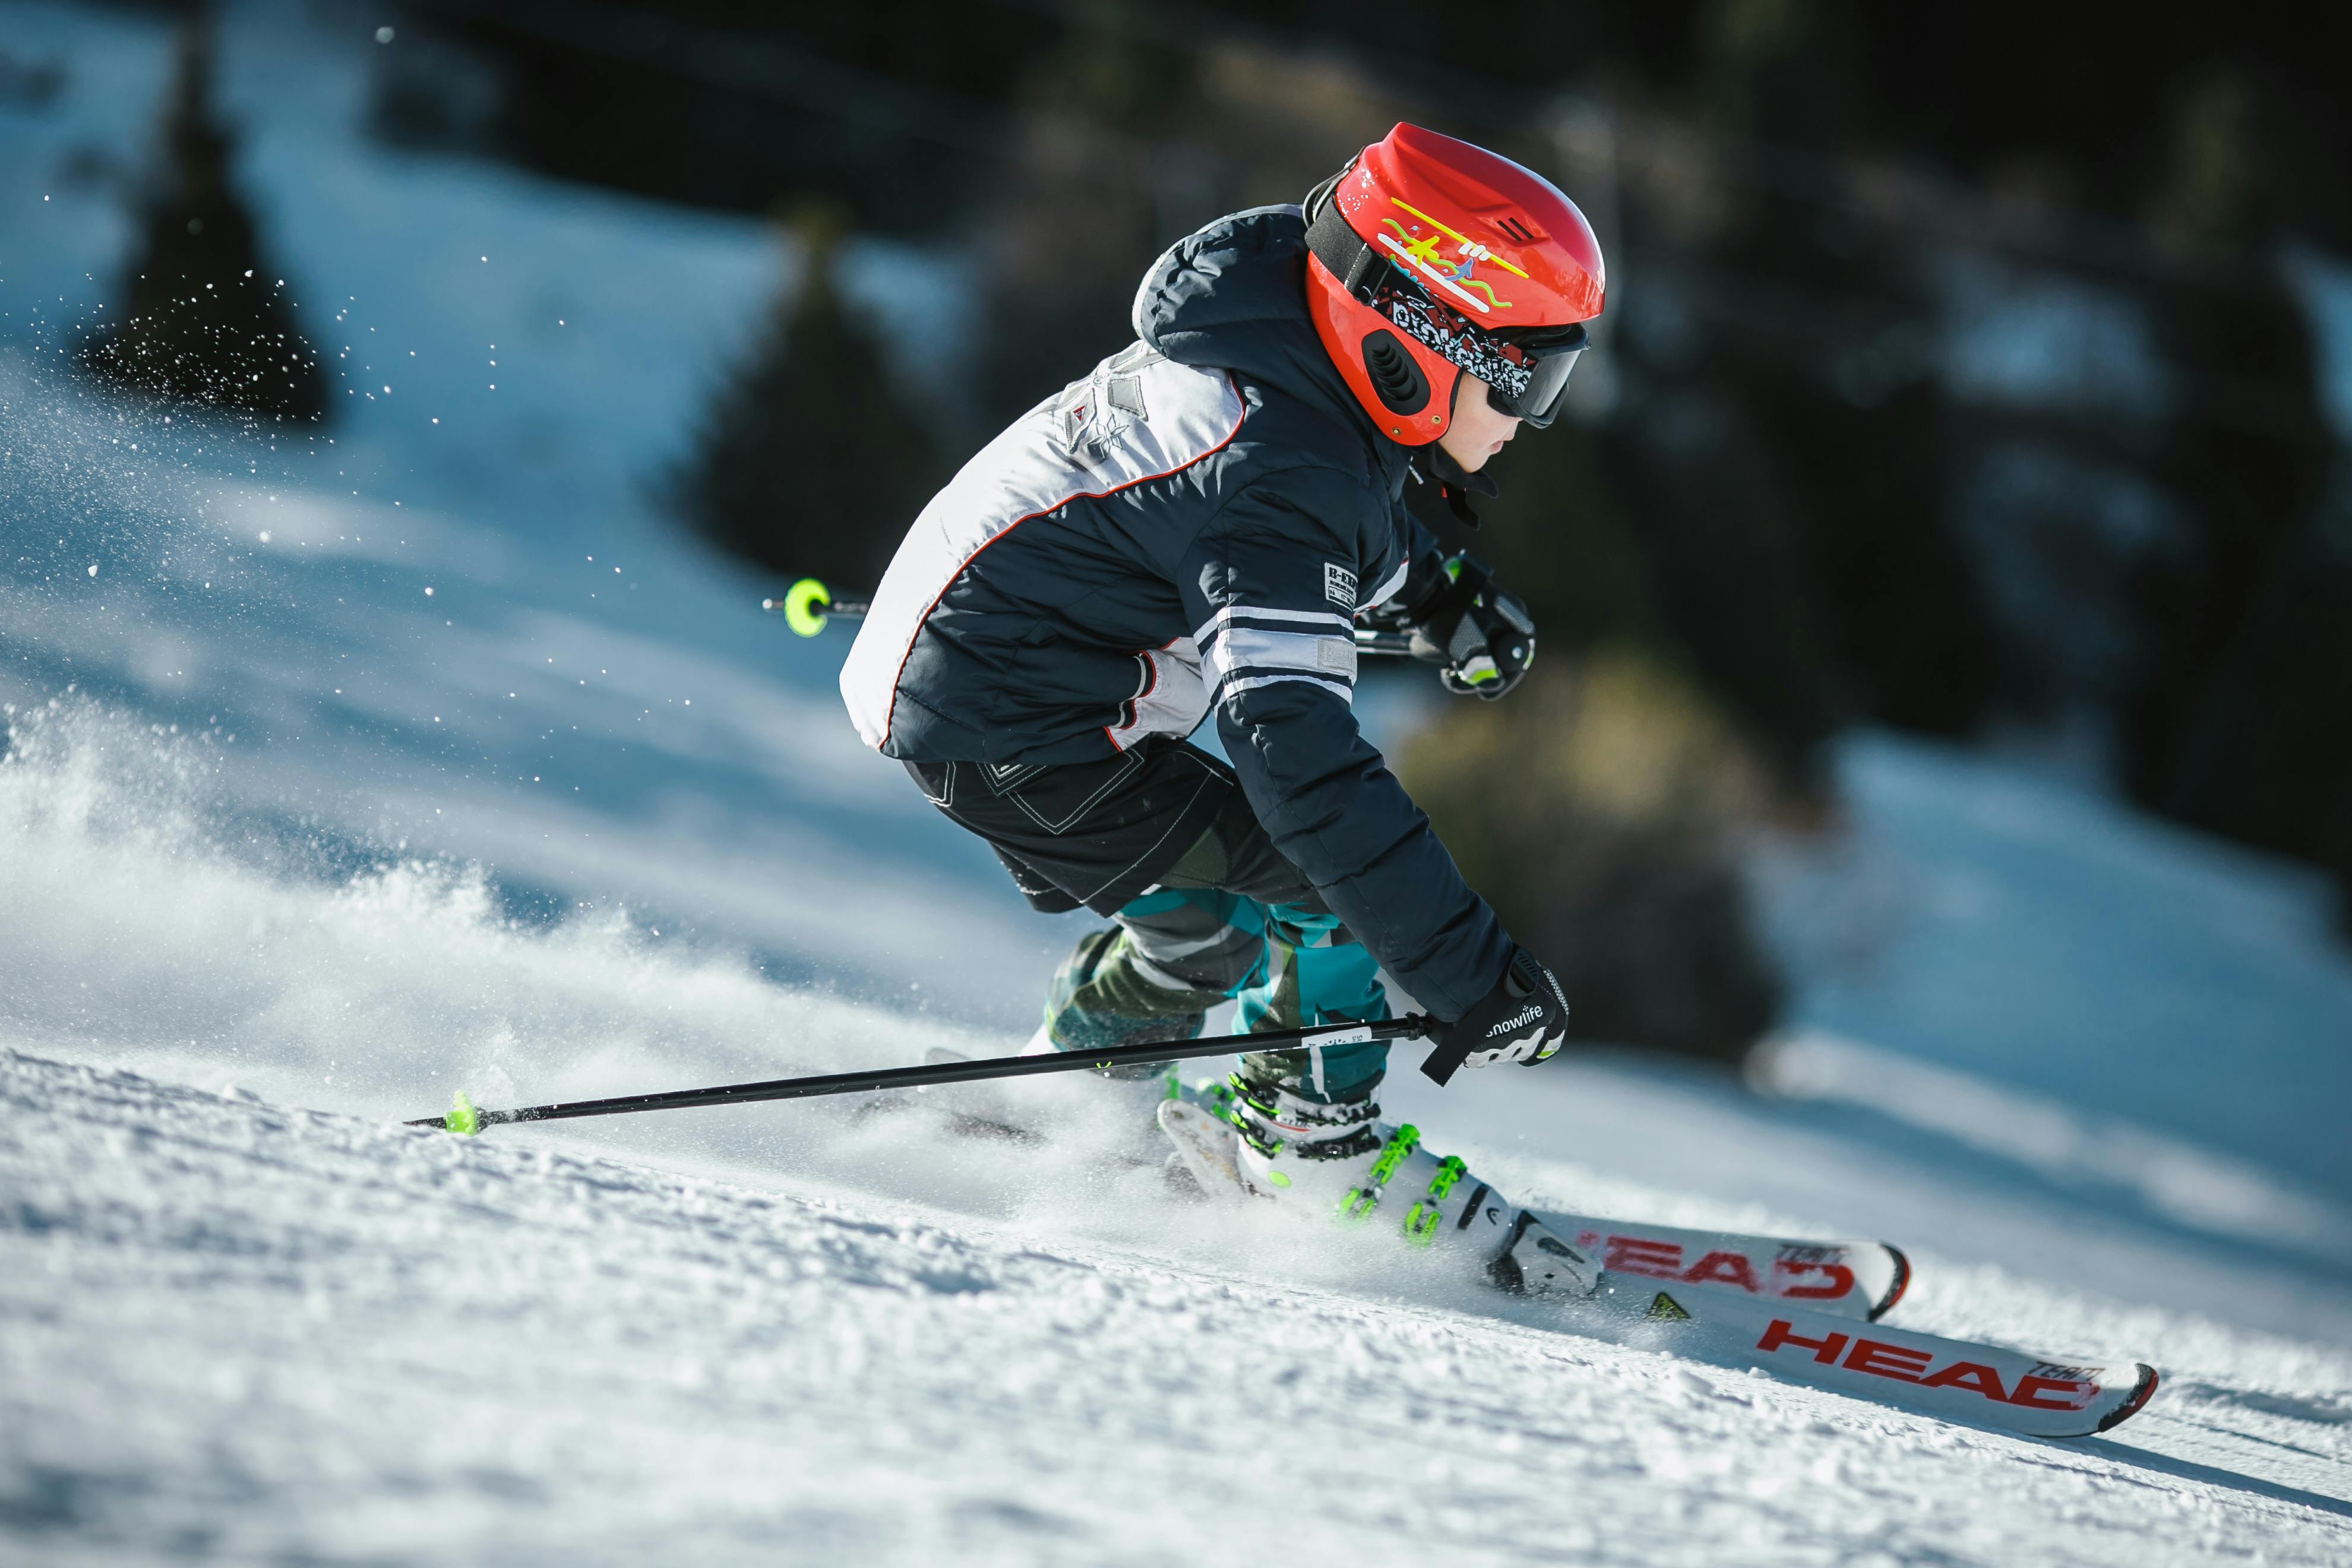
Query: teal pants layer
[[1232, 918], [1286, 965]]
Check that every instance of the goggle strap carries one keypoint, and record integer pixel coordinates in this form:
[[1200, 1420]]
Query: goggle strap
[[1339, 248], [1542, 341]]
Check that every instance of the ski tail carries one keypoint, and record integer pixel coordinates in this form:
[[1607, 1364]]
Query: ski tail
[[1206, 1146]]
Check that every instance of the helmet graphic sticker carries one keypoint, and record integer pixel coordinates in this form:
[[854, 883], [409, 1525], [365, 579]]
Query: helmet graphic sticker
[[1420, 252]]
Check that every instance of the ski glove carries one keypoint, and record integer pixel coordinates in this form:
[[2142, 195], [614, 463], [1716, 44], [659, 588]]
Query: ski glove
[[1484, 637], [1523, 1019]]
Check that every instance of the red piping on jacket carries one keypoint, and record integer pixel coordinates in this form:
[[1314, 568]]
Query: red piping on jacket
[[892, 718]]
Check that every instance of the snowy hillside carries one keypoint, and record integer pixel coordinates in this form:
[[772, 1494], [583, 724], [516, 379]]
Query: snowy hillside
[[338, 777]]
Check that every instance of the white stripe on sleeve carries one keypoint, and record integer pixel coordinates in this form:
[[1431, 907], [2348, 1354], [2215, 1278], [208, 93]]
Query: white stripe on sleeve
[[1246, 649], [1296, 620]]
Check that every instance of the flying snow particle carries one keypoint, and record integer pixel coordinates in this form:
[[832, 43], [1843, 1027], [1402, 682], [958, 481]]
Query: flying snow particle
[[383, 34], [93, 568], [428, 593], [264, 534]]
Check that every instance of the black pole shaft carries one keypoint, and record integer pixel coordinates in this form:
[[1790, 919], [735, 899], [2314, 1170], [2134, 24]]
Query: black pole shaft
[[1409, 1027], [1368, 641]]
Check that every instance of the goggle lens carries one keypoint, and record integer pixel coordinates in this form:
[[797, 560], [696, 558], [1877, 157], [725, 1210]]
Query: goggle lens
[[1538, 404]]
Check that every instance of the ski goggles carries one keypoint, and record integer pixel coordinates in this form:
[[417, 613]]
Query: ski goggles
[[1525, 372]]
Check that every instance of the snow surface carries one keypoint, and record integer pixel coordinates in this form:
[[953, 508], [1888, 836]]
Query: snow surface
[[289, 849], [250, 1330]]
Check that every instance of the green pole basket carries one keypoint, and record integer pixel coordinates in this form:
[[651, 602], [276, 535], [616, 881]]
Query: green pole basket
[[804, 604]]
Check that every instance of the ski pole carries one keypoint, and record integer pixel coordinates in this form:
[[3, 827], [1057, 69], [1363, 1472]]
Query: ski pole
[[808, 604], [464, 1116]]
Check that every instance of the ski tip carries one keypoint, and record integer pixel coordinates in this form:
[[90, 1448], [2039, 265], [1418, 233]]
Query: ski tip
[[1894, 1287], [463, 1118], [2142, 1391]]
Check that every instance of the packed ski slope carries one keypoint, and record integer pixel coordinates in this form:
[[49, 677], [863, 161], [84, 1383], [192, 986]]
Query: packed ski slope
[[253, 1332], [290, 848]]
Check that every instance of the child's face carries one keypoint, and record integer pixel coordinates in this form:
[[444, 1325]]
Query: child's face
[[1478, 429]]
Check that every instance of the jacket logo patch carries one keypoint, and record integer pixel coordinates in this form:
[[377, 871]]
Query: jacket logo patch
[[1340, 585]]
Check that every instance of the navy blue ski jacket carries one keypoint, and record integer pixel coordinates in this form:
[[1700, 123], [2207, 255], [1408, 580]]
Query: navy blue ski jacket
[[1193, 526]]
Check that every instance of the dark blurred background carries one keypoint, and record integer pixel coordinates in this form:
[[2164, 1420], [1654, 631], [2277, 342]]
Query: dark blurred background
[[1957, 376]]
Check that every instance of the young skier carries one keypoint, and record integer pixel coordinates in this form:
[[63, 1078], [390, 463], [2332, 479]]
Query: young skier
[[1199, 525]]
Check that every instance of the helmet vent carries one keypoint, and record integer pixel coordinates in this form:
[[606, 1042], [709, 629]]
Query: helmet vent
[[1395, 377], [1516, 230]]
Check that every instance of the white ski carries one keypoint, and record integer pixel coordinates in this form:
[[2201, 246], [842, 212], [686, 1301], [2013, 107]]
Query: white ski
[[1803, 1310], [1956, 1380], [1848, 1278]]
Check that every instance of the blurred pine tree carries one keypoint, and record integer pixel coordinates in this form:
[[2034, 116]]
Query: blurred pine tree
[[2242, 719], [1613, 852], [209, 319], [810, 462], [1829, 464], [1070, 224]]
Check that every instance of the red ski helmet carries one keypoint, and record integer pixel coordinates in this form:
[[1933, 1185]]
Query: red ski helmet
[[1429, 256]]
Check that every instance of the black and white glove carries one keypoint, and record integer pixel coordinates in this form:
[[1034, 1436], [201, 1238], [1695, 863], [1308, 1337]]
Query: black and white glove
[[1523, 1019], [1484, 637]]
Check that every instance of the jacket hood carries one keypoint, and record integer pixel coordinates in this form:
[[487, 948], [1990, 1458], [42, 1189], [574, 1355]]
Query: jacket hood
[[1233, 297]]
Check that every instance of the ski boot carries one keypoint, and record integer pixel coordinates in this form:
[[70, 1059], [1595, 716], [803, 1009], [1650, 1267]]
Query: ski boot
[[1098, 1000], [1339, 1160]]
